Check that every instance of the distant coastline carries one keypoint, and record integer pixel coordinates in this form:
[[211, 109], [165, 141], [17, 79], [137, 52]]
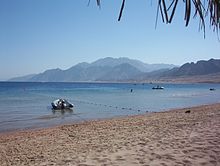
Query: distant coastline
[[212, 78]]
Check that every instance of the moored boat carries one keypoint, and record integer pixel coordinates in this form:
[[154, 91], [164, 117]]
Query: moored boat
[[212, 89], [158, 87], [60, 104]]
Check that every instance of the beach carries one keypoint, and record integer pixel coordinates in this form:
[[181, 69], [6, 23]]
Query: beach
[[189, 136]]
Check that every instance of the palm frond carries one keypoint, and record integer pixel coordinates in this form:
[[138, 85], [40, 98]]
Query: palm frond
[[214, 11], [167, 13], [121, 11], [174, 9], [187, 11], [98, 2]]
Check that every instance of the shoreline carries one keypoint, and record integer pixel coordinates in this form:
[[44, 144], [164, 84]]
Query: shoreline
[[160, 138]]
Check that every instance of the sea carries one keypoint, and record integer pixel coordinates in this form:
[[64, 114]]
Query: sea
[[27, 105]]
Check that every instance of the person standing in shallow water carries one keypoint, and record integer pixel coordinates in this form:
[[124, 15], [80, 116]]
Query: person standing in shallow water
[[61, 103]]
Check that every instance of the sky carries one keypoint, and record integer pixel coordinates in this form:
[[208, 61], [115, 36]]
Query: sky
[[36, 35]]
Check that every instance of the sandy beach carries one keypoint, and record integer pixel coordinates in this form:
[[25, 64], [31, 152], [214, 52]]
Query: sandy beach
[[167, 138]]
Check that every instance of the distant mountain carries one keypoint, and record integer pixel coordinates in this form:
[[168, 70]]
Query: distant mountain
[[106, 69], [199, 68], [53, 74], [23, 78], [200, 71], [121, 72], [124, 69], [143, 67]]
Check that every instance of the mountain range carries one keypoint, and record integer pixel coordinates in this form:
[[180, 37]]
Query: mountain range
[[123, 70], [201, 71]]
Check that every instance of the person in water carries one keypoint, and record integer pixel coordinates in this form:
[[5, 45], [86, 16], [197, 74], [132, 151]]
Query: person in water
[[61, 103]]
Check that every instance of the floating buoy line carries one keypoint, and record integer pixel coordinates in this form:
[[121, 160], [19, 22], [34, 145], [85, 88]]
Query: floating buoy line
[[111, 106]]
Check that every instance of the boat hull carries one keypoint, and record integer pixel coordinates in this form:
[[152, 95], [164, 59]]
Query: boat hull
[[157, 88]]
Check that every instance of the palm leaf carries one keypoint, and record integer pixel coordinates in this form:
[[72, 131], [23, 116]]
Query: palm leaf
[[98, 2], [121, 11], [187, 11], [212, 10], [165, 11], [173, 11]]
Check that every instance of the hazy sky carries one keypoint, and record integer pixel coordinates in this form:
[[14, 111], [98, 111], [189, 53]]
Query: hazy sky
[[36, 35]]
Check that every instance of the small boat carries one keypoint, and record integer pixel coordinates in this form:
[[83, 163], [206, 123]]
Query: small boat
[[212, 89], [61, 104], [158, 87]]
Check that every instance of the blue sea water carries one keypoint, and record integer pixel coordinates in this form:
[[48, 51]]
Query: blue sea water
[[28, 105]]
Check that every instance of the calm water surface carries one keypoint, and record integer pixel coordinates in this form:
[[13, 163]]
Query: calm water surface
[[27, 105]]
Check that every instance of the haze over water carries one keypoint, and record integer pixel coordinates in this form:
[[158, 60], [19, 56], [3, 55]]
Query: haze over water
[[28, 105]]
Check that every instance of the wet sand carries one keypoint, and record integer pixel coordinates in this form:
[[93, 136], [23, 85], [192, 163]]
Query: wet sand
[[166, 138]]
